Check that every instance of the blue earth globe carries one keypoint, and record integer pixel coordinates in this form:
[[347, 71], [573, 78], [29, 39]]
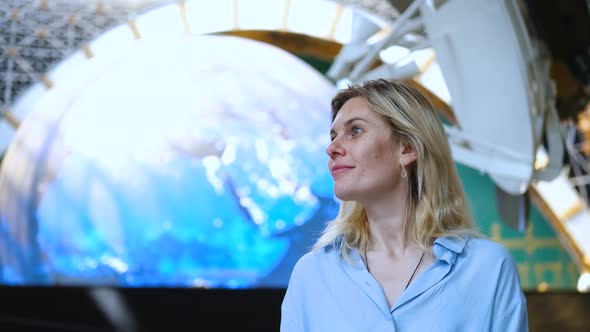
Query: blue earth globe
[[192, 161]]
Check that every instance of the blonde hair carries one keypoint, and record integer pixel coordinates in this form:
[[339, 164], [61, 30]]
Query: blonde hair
[[436, 205]]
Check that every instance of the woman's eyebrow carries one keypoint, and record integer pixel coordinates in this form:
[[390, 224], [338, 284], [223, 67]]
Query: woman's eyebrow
[[348, 122]]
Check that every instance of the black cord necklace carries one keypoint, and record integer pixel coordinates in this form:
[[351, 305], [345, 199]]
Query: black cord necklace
[[413, 273]]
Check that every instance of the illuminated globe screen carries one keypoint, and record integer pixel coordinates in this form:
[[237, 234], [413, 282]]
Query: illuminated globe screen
[[193, 161]]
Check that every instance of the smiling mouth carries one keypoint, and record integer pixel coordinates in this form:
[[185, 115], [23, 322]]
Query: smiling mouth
[[338, 170]]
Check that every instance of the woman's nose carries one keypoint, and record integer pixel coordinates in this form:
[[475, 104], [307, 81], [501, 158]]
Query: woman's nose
[[334, 149]]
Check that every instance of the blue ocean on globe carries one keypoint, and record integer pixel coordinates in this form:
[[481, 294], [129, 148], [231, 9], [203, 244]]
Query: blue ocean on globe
[[179, 230]]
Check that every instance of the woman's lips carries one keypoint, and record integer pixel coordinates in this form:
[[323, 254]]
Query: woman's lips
[[337, 169]]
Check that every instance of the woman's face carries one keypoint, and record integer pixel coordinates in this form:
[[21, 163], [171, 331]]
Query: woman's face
[[364, 155]]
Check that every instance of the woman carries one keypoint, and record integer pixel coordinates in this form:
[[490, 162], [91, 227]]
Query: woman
[[402, 253]]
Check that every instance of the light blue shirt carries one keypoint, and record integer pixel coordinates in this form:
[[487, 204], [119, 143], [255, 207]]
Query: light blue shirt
[[473, 285]]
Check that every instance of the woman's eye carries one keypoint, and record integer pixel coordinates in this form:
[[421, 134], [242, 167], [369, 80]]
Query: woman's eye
[[356, 131]]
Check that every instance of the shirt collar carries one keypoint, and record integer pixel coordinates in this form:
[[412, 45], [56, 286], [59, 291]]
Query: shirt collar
[[447, 248]]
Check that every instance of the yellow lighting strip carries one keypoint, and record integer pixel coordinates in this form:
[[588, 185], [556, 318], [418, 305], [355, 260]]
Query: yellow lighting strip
[[47, 82], [11, 119], [335, 22], [134, 29], [87, 51], [286, 16], [182, 6], [427, 64], [235, 27]]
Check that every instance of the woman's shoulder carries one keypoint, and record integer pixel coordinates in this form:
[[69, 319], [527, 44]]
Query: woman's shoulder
[[470, 250], [501, 271], [483, 252], [314, 259], [486, 248]]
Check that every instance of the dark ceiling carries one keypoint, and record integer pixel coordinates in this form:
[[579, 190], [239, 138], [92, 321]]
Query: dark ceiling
[[565, 28]]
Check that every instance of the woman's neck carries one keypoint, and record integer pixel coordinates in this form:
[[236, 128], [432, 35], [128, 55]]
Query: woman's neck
[[387, 227]]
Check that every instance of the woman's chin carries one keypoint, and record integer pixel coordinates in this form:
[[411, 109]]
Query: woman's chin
[[344, 195]]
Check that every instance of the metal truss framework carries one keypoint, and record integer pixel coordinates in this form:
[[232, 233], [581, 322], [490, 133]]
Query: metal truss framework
[[35, 35]]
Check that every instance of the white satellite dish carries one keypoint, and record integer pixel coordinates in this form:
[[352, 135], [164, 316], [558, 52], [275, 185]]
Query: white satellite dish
[[483, 54], [501, 92]]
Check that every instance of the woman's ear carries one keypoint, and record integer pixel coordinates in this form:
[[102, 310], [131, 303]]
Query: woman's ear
[[407, 154]]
